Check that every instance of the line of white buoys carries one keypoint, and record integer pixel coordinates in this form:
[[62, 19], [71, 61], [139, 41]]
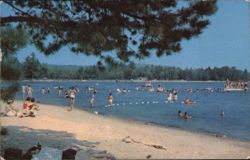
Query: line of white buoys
[[109, 105], [144, 103]]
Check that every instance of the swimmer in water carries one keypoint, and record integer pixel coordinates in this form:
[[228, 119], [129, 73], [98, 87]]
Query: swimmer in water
[[186, 116], [180, 114], [188, 101], [222, 114]]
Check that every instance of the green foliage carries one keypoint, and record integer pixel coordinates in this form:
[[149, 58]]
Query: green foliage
[[32, 67], [80, 73], [43, 71], [95, 27], [9, 92], [12, 39], [10, 68], [131, 71]]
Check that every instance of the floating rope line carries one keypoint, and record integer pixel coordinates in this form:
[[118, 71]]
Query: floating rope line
[[143, 103]]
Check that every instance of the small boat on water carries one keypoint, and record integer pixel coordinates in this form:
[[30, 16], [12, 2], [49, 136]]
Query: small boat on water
[[235, 86]]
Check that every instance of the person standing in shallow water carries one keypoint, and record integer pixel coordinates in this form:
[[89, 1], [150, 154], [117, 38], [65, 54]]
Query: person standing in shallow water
[[110, 99], [24, 91], [43, 90], [72, 95], [30, 90], [92, 99]]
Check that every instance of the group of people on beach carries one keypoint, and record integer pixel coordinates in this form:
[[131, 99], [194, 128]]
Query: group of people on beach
[[28, 109]]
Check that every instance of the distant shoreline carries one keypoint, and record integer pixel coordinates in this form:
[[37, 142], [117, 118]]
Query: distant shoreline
[[142, 81]]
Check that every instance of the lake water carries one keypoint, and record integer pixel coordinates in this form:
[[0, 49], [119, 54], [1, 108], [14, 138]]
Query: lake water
[[150, 107]]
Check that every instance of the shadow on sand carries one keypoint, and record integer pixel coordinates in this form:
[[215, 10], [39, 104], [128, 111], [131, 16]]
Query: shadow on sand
[[23, 138]]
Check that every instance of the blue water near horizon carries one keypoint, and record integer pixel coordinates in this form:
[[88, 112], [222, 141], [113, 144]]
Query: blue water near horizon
[[150, 107]]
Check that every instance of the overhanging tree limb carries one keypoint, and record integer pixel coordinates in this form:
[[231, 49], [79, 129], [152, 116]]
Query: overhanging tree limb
[[94, 27]]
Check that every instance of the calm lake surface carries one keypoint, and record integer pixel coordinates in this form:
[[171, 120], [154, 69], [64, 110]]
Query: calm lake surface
[[151, 107]]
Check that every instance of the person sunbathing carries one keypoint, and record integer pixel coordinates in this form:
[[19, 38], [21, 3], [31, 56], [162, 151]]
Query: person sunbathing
[[11, 110]]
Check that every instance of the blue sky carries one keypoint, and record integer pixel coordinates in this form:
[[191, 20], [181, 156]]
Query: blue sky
[[226, 42]]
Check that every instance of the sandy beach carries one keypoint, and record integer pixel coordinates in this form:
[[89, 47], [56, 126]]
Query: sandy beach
[[56, 127]]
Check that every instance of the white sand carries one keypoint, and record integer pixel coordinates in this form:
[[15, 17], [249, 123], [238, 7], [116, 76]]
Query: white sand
[[56, 127]]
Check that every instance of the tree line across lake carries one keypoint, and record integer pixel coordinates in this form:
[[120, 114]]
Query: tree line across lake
[[31, 68]]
